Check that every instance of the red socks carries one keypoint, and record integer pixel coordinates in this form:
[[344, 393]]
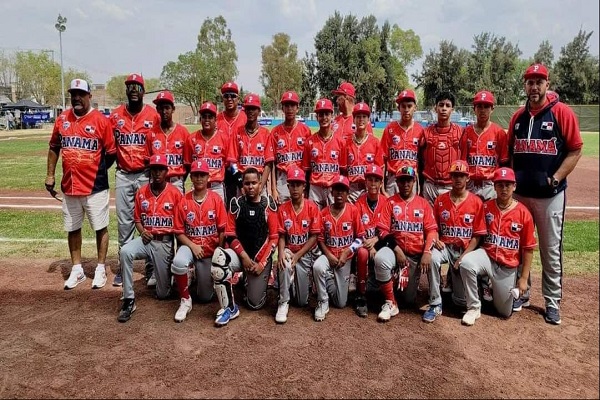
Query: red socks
[[182, 286]]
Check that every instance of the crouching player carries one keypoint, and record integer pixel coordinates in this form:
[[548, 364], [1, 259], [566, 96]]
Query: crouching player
[[200, 226], [409, 219], [508, 244], [153, 214], [299, 226], [341, 236], [251, 233]]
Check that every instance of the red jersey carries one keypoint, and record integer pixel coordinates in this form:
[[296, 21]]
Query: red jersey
[[360, 156], [409, 221], [288, 145], [370, 218], [298, 226], [213, 150], [171, 145], [251, 151], [324, 159], [83, 143], [157, 213], [338, 233], [230, 125], [401, 146], [508, 234], [484, 152], [131, 132], [343, 126], [441, 150], [201, 222], [458, 223]]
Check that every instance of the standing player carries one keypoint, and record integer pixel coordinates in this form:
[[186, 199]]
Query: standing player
[[324, 156], [370, 206], [200, 221], [84, 138], [484, 146], [169, 138], [288, 140], [401, 141], [210, 144], [363, 151], [508, 246], [345, 98], [251, 233], [154, 213], [409, 219], [459, 217], [341, 236], [441, 149], [299, 226], [546, 144], [131, 124]]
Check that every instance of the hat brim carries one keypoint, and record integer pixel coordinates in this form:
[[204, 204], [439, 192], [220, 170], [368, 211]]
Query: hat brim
[[374, 175], [407, 98], [163, 101], [340, 185], [531, 76], [404, 176], [158, 166], [338, 92], [78, 90], [297, 180]]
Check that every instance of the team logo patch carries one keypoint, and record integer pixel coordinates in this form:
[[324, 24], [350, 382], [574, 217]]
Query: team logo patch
[[441, 145], [178, 144], [198, 148], [418, 213], [491, 145], [395, 139], [516, 227], [346, 226], [304, 224], [66, 125], [300, 141], [288, 224], [314, 153], [445, 215], [468, 218], [416, 141], [335, 126], [397, 210], [280, 144], [370, 157], [211, 214], [547, 125], [121, 123], [145, 205], [333, 154], [148, 124], [350, 157], [489, 217], [216, 149], [241, 144], [252, 213], [365, 219], [190, 217], [157, 144], [327, 225], [260, 147], [168, 206], [90, 129]]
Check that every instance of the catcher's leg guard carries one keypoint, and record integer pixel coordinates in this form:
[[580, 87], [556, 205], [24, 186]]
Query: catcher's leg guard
[[221, 274]]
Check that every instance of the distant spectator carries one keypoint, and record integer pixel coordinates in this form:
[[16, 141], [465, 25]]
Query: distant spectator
[[11, 120]]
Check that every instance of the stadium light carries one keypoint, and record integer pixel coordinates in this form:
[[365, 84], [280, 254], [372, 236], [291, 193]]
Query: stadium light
[[61, 26]]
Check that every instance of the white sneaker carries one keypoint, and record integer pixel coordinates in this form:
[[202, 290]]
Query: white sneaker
[[470, 317], [282, 312], [152, 281], [99, 278], [321, 310], [388, 310], [75, 278], [184, 309]]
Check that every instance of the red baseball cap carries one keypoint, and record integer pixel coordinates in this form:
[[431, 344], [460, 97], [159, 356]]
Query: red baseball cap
[[295, 174], [290, 97], [230, 87], [484, 97], [164, 97], [199, 166], [135, 78], [406, 171], [406, 95], [252, 100], [345, 88], [459, 167], [374, 170], [340, 180], [324, 105], [536, 71], [159, 160], [504, 174], [361, 108], [208, 106]]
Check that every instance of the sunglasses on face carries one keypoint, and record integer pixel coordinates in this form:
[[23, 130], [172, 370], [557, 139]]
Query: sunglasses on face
[[230, 96], [134, 86]]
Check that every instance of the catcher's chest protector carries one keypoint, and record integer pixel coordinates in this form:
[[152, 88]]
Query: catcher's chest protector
[[251, 225], [444, 147]]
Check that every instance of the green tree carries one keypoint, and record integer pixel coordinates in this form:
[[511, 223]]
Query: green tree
[[544, 54], [281, 68], [405, 47], [7, 69], [310, 85]]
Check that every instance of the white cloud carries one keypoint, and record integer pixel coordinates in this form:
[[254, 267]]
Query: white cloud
[[112, 9]]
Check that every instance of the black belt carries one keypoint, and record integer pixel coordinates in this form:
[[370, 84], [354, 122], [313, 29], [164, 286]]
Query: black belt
[[162, 238]]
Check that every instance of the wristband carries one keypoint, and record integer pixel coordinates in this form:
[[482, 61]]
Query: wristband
[[237, 247], [356, 245]]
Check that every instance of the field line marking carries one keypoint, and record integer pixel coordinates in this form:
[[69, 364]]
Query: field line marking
[[32, 240]]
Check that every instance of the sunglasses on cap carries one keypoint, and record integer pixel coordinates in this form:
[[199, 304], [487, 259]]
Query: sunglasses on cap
[[230, 96], [134, 86], [458, 168], [408, 172]]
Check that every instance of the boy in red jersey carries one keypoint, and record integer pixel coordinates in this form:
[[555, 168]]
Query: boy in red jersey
[[210, 144], [288, 140], [324, 156], [341, 236], [409, 219], [508, 246], [484, 146], [200, 222], [363, 151], [345, 98], [299, 226], [154, 215]]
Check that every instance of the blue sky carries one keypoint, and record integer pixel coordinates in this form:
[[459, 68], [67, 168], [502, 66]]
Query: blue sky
[[108, 37]]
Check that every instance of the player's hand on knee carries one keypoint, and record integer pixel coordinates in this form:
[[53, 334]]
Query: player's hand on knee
[[197, 251], [425, 262], [438, 244]]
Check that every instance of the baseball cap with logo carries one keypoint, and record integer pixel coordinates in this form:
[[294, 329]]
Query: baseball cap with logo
[[230, 87], [406, 171], [295, 174], [536, 71], [504, 174], [252, 100], [361, 108], [290, 97], [406, 95], [341, 180], [324, 105], [164, 96], [159, 160], [135, 78], [374, 170], [345, 88], [79, 84], [459, 167], [199, 166], [208, 107], [484, 97]]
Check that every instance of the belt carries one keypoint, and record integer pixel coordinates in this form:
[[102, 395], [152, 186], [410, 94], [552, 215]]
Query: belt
[[163, 238], [214, 184], [175, 178], [137, 171]]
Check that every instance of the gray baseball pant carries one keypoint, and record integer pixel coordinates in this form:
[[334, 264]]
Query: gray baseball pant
[[161, 255], [320, 195], [126, 186], [218, 188], [548, 216], [295, 282], [385, 266], [478, 263], [332, 282], [177, 181], [203, 289], [282, 189], [484, 189], [356, 189], [432, 190], [449, 255]]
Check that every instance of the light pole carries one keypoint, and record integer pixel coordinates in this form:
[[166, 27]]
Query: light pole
[[61, 26]]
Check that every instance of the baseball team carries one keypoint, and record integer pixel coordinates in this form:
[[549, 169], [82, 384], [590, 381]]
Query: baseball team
[[338, 214]]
